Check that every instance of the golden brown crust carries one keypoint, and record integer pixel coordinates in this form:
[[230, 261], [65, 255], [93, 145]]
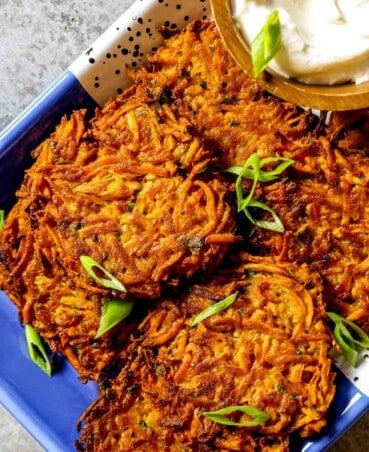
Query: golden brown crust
[[141, 189], [269, 350], [194, 72], [131, 189], [322, 201], [324, 210]]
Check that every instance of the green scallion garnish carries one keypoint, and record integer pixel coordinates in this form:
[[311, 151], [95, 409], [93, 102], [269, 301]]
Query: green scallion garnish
[[2, 219], [37, 350], [276, 225], [266, 44], [220, 416], [252, 164], [350, 346], [112, 313], [263, 176], [107, 280], [214, 309], [252, 169]]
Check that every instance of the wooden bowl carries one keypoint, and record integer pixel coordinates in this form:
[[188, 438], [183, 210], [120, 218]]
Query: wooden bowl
[[348, 96]]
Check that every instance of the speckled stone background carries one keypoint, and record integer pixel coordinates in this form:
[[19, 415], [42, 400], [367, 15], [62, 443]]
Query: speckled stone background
[[38, 40]]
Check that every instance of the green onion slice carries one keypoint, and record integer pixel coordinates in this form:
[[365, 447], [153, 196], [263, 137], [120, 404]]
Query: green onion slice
[[2, 219], [252, 170], [214, 309], [254, 162], [276, 225], [36, 349], [109, 281], [131, 206], [350, 354], [267, 43], [350, 345], [112, 313], [220, 416], [263, 176], [267, 176]]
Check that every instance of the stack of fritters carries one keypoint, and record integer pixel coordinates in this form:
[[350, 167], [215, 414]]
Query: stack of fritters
[[142, 190], [325, 213], [194, 72], [323, 201], [267, 350], [133, 190]]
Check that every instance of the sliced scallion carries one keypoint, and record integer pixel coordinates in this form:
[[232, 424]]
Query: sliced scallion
[[350, 345], [263, 176], [214, 309], [252, 169], [267, 43], [276, 225], [108, 280], [113, 312], [2, 219], [37, 350], [254, 162], [283, 164], [220, 416]]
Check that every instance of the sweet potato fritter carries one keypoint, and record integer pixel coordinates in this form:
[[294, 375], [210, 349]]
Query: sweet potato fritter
[[141, 188], [325, 213], [194, 72], [132, 190], [268, 350], [322, 203]]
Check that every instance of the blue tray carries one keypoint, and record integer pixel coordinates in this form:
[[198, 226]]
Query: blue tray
[[50, 407]]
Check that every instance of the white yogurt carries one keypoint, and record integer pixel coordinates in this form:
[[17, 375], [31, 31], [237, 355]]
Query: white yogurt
[[323, 41]]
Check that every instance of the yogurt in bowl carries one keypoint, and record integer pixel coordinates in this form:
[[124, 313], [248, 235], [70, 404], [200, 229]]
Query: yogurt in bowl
[[323, 42]]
